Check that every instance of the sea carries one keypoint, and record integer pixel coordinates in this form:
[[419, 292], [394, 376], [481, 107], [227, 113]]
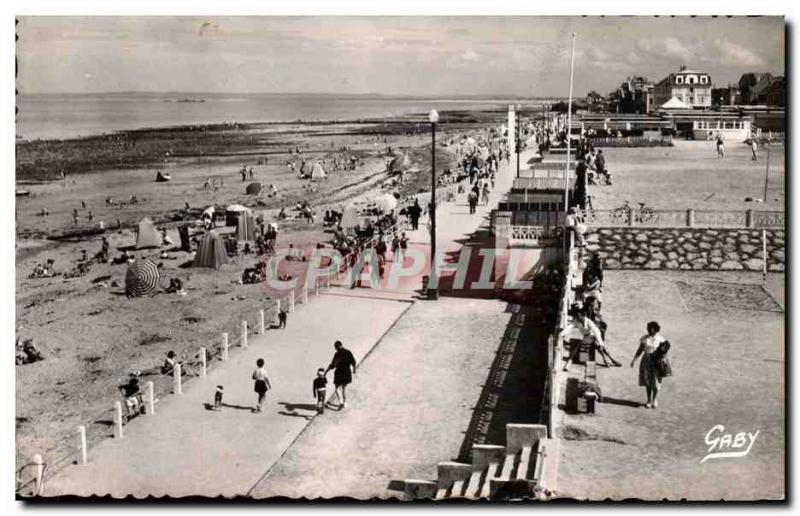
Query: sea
[[62, 116]]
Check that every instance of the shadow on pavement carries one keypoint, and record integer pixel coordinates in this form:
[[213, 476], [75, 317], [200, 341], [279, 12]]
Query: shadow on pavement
[[514, 389]]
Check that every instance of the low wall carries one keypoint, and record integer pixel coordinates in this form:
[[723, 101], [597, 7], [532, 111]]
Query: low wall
[[687, 248]]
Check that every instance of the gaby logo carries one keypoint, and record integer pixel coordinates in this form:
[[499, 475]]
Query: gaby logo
[[722, 445]]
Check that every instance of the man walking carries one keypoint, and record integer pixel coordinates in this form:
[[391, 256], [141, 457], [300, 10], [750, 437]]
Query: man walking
[[414, 212], [343, 361], [754, 148]]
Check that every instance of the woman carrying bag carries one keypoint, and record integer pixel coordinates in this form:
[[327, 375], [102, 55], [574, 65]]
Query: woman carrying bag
[[654, 365]]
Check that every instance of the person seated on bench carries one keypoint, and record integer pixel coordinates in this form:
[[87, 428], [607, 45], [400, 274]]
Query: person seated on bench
[[591, 336], [591, 287]]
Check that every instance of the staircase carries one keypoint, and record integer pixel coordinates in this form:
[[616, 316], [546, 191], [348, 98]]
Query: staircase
[[515, 471]]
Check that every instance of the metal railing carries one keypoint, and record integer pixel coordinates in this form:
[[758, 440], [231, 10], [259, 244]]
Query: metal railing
[[648, 217]]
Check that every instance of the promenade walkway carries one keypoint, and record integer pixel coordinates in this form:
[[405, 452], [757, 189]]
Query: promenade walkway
[[411, 388]]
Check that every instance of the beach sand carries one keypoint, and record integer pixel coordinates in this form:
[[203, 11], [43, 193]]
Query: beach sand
[[92, 336]]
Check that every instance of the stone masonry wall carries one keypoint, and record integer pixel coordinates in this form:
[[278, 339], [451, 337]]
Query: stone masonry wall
[[687, 248]]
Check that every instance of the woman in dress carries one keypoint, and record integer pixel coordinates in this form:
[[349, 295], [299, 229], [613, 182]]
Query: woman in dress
[[261, 385], [649, 373]]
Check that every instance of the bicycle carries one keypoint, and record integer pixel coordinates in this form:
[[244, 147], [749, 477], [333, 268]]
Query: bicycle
[[644, 213]]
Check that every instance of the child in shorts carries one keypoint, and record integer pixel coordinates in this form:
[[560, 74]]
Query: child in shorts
[[218, 398], [320, 386]]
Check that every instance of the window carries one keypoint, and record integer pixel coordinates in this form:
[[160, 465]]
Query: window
[[691, 79], [703, 79], [679, 79]]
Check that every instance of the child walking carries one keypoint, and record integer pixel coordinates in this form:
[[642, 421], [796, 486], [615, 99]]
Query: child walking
[[319, 387]]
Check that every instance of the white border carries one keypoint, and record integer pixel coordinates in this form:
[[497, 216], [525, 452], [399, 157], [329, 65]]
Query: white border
[[312, 7]]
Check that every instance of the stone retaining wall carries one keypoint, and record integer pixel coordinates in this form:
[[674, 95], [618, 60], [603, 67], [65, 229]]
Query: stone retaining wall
[[687, 248]]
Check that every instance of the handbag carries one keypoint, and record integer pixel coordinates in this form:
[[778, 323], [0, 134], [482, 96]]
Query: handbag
[[662, 362]]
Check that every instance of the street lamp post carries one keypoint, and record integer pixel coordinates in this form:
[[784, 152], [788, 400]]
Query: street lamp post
[[517, 138], [433, 292]]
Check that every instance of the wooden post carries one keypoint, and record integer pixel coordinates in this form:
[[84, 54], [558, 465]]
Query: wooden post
[[225, 354], [275, 320], [243, 341], [291, 301], [316, 287], [748, 217], [766, 176], [203, 361], [118, 420], [82, 445], [176, 379], [261, 329], [38, 473], [690, 218], [150, 399], [764, 253]]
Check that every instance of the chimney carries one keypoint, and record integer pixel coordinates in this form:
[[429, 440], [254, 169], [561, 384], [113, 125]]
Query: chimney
[[683, 67]]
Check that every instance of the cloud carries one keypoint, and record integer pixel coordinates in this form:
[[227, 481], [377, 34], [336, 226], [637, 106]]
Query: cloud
[[670, 47], [733, 54]]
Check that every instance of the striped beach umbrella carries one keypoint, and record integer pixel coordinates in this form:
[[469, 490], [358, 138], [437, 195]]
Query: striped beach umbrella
[[142, 278]]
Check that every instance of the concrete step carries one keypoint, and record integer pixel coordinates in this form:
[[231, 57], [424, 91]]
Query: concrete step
[[508, 466], [457, 490], [524, 463], [491, 472], [474, 485]]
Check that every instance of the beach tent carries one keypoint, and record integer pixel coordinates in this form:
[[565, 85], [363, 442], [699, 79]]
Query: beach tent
[[211, 252], [350, 216], [183, 231], [386, 202], [233, 213], [318, 173], [142, 278], [253, 188], [246, 228], [147, 235], [400, 163], [674, 103]]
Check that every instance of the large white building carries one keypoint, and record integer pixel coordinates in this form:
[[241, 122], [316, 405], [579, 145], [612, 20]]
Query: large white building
[[691, 87]]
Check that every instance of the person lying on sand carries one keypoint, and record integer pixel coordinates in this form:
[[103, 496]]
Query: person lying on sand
[[165, 239], [28, 353]]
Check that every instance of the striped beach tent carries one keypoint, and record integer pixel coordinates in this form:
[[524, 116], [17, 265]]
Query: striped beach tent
[[142, 278], [246, 227], [211, 252]]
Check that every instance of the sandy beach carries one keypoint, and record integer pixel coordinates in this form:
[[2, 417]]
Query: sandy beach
[[101, 335]]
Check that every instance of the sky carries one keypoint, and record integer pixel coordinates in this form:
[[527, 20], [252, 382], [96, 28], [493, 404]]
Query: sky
[[419, 56]]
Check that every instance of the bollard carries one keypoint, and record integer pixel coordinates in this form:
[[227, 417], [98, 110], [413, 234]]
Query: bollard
[[203, 361], [261, 322], [316, 287], [305, 295], [118, 420], [176, 379], [291, 301], [150, 401], [225, 346], [82, 445], [275, 320], [690, 218], [244, 334], [38, 472]]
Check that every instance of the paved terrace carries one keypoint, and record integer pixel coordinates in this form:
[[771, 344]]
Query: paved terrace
[[426, 365], [727, 355]]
